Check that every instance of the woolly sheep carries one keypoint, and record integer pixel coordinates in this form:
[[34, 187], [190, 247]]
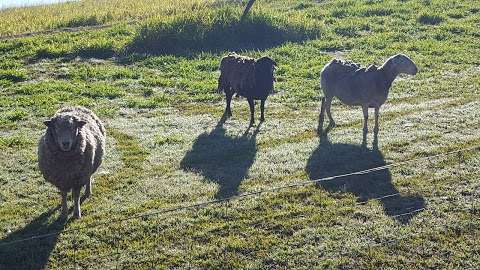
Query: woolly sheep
[[358, 86], [71, 151], [247, 77]]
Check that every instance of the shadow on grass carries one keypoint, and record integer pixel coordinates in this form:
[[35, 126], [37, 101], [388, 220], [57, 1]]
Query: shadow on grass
[[98, 50], [32, 254], [331, 159], [219, 30], [222, 159]]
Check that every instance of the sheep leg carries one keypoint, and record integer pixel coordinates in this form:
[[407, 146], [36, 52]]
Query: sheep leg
[[76, 202], [88, 188], [328, 106], [251, 103], [376, 128], [262, 108], [322, 117], [64, 204], [365, 125], [228, 110]]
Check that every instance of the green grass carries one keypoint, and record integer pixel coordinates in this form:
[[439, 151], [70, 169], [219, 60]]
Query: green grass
[[166, 145], [12, 75], [219, 29], [90, 12]]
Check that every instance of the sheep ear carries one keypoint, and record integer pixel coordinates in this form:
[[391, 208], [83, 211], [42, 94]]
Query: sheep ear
[[81, 123], [48, 122]]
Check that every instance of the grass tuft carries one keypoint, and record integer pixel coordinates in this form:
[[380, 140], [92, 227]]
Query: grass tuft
[[302, 6], [81, 21], [12, 75], [218, 30], [430, 19], [133, 154], [173, 139], [14, 142], [101, 49]]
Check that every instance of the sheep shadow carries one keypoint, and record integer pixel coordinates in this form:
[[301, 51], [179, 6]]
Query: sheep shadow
[[34, 253], [331, 159], [221, 158]]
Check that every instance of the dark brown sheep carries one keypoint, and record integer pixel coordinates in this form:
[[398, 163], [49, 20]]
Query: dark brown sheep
[[247, 77]]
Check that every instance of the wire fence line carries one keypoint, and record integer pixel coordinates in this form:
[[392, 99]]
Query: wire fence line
[[254, 193], [379, 243]]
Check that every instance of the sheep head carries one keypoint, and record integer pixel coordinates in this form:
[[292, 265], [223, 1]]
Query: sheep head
[[64, 130], [266, 61], [265, 66], [400, 63]]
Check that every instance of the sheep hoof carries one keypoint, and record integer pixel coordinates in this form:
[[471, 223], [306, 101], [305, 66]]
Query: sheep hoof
[[77, 213], [375, 145]]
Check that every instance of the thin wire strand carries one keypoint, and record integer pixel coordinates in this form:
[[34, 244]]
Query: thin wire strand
[[248, 194], [408, 213]]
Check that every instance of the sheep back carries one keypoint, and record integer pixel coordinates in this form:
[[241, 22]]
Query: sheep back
[[353, 84], [336, 70], [67, 170], [237, 72], [246, 76]]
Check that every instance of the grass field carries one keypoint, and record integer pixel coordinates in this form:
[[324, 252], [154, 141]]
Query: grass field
[[153, 83]]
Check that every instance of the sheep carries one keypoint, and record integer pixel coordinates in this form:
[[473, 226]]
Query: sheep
[[358, 86], [247, 77], [70, 151]]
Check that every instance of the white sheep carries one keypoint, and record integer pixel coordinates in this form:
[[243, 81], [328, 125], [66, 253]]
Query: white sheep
[[71, 151], [358, 86]]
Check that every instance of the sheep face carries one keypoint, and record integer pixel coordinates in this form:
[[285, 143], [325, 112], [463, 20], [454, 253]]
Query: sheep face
[[403, 64], [266, 64], [64, 129]]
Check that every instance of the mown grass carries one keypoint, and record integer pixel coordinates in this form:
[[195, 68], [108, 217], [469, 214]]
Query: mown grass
[[168, 147]]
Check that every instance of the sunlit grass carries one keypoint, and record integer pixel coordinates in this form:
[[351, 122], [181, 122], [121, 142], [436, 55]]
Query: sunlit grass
[[167, 147], [90, 12]]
